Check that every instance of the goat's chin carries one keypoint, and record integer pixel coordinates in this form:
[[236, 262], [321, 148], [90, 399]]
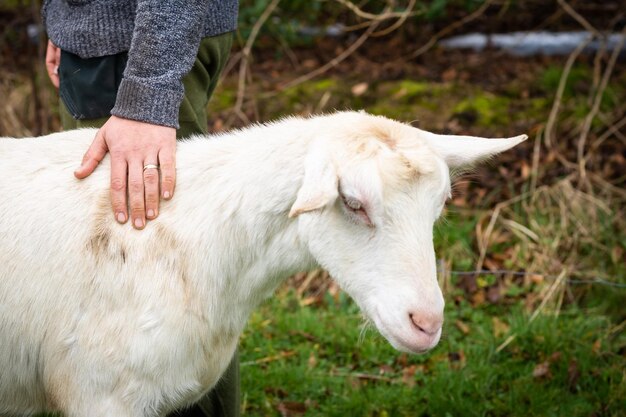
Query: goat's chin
[[403, 337]]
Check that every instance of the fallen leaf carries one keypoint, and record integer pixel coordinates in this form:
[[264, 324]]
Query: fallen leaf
[[400, 93], [278, 392], [359, 89], [468, 283], [525, 170], [449, 75], [291, 408], [493, 294], [572, 375], [464, 328], [402, 359], [595, 348], [218, 125], [309, 63], [408, 375], [536, 278], [307, 301], [499, 327], [281, 355], [555, 357], [312, 362], [492, 264], [617, 254], [307, 336], [385, 369], [542, 370], [457, 359], [478, 298]]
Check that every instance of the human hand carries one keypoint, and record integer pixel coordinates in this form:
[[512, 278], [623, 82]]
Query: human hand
[[53, 59], [134, 145]]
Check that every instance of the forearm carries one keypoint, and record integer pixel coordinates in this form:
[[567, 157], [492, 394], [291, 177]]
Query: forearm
[[163, 48]]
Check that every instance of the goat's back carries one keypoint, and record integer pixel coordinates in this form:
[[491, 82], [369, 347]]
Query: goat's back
[[88, 296]]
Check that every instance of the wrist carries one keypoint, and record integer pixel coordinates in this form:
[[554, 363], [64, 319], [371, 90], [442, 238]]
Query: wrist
[[141, 101]]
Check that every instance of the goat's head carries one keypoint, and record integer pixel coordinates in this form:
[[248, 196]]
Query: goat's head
[[371, 192]]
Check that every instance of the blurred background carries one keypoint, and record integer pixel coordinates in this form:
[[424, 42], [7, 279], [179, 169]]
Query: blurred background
[[532, 249]]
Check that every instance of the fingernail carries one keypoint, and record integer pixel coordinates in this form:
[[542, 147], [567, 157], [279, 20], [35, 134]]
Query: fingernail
[[167, 194], [120, 217], [138, 223], [150, 213]]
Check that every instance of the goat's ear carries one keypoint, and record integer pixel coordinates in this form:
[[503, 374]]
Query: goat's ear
[[459, 151], [320, 184]]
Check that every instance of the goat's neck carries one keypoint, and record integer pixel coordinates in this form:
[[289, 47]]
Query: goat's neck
[[238, 191]]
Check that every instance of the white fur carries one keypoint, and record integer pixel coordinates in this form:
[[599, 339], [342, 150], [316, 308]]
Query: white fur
[[99, 319]]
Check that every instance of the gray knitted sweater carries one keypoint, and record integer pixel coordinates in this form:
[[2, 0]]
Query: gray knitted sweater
[[162, 39]]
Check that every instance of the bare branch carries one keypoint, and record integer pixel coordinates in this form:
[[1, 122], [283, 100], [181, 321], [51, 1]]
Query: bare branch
[[584, 23], [335, 61], [596, 105], [245, 58], [550, 130], [385, 15], [448, 29]]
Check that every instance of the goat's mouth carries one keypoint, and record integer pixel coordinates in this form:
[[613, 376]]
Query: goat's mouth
[[403, 336]]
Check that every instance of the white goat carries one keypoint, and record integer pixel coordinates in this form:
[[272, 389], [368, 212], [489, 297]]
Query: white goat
[[98, 319]]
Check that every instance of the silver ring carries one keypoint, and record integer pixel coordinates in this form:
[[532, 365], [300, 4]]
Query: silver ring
[[150, 166]]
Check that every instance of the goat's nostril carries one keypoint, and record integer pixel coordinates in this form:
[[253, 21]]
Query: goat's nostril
[[416, 323], [427, 325]]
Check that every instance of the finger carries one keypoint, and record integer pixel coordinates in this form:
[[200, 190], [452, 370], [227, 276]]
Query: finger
[[167, 163], [151, 187], [136, 194], [57, 55], [119, 175], [53, 58], [93, 156]]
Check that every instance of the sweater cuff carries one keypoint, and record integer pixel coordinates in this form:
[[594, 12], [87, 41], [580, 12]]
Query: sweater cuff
[[148, 103]]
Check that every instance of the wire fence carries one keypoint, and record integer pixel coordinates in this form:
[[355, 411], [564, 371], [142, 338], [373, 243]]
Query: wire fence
[[574, 281]]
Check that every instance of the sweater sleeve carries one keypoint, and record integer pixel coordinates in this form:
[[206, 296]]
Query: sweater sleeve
[[163, 48]]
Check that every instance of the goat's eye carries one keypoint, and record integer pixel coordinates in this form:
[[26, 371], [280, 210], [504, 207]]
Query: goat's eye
[[356, 211], [353, 204]]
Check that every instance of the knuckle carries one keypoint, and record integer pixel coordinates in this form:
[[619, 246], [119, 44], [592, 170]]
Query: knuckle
[[166, 164], [118, 184], [135, 186], [152, 200], [119, 205], [116, 154], [168, 180], [136, 209], [151, 176]]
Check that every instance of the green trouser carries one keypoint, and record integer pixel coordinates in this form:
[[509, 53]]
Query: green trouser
[[224, 399]]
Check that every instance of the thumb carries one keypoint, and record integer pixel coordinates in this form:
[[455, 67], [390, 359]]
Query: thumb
[[93, 156]]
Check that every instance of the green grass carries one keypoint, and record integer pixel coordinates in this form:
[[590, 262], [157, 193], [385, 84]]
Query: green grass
[[313, 359]]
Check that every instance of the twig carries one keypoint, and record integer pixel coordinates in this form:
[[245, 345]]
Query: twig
[[569, 10], [612, 130], [483, 243], [361, 375], [403, 16], [335, 61], [443, 32], [549, 132], [535, 314], [555, 285], [596, 105], [534, 172], [245, 57], [307, 281], [385, 15], [272, 358]]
